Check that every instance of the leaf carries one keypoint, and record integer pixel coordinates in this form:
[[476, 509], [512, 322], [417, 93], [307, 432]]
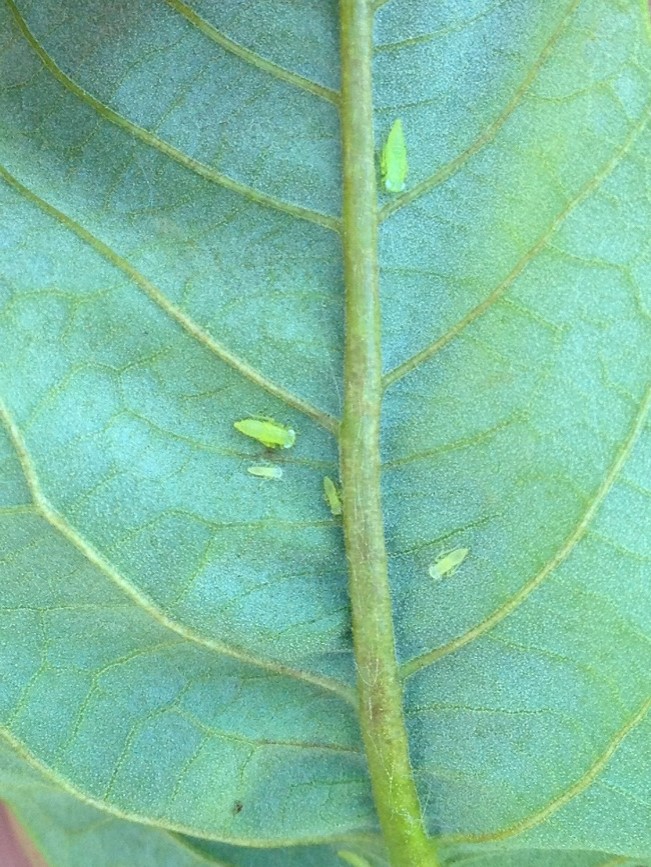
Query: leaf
[[175, 635], [70, 832], [73, 833]]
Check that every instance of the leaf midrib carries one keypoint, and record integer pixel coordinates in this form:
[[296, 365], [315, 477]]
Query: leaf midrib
[[534, 252]]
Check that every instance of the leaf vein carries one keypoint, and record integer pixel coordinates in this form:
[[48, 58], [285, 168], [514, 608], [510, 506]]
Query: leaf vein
[[251, 57], [69, 788], [207, 172], [60, 524], [577, 788], [489, 134], [585, 192], [185, 322], [464, 24], [514, 602]]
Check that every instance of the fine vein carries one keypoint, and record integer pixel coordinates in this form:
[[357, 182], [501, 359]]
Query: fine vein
[[160, 822], [583, 783], [251, 57], [587, 190], [187, 324], [514, 602], [201, 169], [61, 525], [489, 132]]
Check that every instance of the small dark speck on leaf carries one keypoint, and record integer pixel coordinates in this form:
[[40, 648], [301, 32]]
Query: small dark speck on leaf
[[238, 806]]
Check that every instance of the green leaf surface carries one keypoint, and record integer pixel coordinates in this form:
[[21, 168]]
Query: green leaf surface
[[70, 833], [175, 636]]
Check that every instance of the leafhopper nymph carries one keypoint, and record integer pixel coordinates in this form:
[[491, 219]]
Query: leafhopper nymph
[[265, 472], [393, 160], [447, 563], [332, 497]]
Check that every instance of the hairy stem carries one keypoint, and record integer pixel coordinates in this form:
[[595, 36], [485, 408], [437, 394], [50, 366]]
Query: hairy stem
[[380, 691]]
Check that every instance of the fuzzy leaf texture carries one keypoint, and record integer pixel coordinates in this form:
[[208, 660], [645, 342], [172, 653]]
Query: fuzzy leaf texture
[[176, 668]]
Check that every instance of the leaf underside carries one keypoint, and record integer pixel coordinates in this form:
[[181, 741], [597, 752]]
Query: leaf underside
[[176, 666]]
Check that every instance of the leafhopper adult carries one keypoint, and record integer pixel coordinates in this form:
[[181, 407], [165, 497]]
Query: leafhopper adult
[[267, 431]]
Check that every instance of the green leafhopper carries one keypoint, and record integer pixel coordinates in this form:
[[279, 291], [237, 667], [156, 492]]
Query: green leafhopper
[[265, 472], [270, 433], [393, 160], [332, 495], [352, 859], [447, 563]]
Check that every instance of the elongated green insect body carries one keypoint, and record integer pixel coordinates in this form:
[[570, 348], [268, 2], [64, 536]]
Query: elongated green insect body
[[265, 472], [332, 496], [393, 161], [447, 563], [270, 433], [352, 858]]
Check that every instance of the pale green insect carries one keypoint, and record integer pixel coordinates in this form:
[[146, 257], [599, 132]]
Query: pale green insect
[[331, 494], [270, 433], [447, 562], [352, 858], [393, 160], [265, 472]]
